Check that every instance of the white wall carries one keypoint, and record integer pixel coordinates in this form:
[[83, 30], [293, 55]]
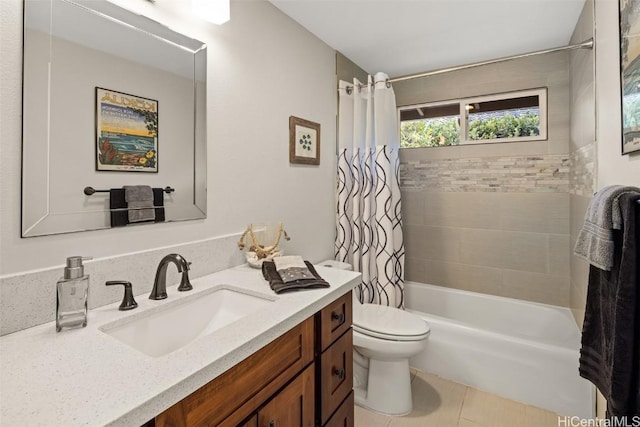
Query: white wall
[[613, 168], [262, 68]]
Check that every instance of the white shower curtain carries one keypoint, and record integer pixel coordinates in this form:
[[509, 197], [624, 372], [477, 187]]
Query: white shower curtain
[[369, 220]]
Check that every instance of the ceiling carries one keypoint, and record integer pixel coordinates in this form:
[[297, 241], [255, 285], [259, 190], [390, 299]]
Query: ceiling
[[401, 37]]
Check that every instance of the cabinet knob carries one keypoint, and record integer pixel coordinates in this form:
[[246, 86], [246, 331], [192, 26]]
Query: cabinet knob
[[339, 317], [340, 373], [272, 424]]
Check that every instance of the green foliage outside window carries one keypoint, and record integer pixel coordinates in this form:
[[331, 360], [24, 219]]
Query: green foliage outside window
[[430, 133], [446, 131], [506, 126]]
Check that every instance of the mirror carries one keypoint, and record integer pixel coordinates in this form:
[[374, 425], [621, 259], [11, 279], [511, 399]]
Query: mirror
[[110, 99]]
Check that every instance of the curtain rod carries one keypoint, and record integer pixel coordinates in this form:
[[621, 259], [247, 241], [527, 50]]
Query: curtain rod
[[587, 44]]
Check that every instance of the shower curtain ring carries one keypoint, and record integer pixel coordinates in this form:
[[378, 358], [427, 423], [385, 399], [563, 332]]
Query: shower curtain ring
[[388, 83], [349, 90]]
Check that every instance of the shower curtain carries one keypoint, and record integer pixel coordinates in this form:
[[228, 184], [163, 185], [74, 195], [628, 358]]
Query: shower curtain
[[369, 220]]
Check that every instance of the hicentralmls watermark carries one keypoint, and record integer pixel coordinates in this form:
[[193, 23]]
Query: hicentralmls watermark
[[633, 421]]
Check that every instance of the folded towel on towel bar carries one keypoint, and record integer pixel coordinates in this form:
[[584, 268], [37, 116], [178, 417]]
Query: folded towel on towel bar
[[139, 200]]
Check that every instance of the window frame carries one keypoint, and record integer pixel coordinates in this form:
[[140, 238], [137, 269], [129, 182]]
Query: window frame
[[541, 92]]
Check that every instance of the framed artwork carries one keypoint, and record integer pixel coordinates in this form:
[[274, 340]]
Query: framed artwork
[[630, 74], [126, 132], [304, 141]]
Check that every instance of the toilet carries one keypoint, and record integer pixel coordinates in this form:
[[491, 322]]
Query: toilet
[[384, 338]]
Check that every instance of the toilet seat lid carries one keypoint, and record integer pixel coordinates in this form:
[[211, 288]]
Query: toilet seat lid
[[388, 323]]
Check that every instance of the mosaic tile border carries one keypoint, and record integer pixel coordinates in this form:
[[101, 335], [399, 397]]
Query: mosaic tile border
[[548, 173], [582, 169]]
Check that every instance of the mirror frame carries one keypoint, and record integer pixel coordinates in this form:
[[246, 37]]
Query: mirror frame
[[39, 218]]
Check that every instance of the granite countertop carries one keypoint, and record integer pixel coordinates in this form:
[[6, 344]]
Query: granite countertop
[[86, 377]]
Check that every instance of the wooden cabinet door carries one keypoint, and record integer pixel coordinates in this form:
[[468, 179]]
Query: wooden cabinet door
[[293, 406], [344, 415], [251, 422], [336, 375], [239, 392], [334, 320]]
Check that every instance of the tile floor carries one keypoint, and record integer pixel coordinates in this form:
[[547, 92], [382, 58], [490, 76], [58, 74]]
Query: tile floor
[[438, 402]]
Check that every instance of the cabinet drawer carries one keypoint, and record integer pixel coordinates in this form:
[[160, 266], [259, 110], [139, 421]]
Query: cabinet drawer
[[344, 416], [335, 319], [237, 393], [251, 422], [336, 375], [293, 406]]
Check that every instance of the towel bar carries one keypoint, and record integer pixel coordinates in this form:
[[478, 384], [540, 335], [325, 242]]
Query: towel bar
[[90, 190]]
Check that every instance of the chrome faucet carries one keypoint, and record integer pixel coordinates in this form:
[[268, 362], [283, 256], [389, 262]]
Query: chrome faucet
[[160, 283]]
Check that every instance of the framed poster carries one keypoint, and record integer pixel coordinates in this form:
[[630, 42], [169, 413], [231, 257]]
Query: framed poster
[[304, 141], [630, 74], [126, 132]]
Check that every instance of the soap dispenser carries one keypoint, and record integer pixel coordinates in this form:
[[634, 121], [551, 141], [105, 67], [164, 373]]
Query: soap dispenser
[[72, 294]]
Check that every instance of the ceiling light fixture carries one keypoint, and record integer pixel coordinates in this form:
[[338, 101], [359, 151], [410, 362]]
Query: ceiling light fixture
[[216, 11]]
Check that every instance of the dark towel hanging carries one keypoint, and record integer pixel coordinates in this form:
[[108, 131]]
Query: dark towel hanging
[[118, 206], [610, 353], [158, 202]]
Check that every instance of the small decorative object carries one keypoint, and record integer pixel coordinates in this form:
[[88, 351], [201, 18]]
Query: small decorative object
[[126, 132], [259, 250], [304, 141], [630, 74]]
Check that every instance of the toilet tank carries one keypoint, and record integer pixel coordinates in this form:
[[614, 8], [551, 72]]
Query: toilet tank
[[336, 264], [343, 266]]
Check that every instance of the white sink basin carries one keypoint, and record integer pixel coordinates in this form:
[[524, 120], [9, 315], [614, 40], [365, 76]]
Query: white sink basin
[[172, 326]]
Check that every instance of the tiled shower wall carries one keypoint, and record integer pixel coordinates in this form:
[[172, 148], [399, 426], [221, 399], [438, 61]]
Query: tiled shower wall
[[492, 218], [582, 149]]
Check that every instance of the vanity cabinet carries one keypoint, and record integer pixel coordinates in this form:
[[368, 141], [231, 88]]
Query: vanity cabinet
[[344, 416], [335, 367], [293, 406], [300, 379]]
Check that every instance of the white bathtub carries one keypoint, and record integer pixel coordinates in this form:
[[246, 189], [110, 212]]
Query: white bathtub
[[520, 350]]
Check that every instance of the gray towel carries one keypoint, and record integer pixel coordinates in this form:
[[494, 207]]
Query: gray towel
[[292, 268], [610, 352], [139, 200], [595, 240]]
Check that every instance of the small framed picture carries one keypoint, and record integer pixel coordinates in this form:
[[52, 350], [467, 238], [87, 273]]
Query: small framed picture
[[630, 74], [304, 141], [126, 132]]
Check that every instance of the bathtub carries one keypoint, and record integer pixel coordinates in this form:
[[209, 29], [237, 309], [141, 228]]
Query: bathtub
[[520, 350]]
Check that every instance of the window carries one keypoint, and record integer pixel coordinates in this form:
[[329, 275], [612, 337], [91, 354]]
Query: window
[[505, 117]]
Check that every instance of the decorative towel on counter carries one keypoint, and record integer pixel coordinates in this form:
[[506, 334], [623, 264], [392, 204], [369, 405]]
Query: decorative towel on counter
[[595, 240], [118, 206], [292, 268], [139, 200], [271, 275], [610, 352]]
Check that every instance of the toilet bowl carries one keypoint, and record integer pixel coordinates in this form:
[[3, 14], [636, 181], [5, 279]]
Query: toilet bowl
[[384, 338]]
